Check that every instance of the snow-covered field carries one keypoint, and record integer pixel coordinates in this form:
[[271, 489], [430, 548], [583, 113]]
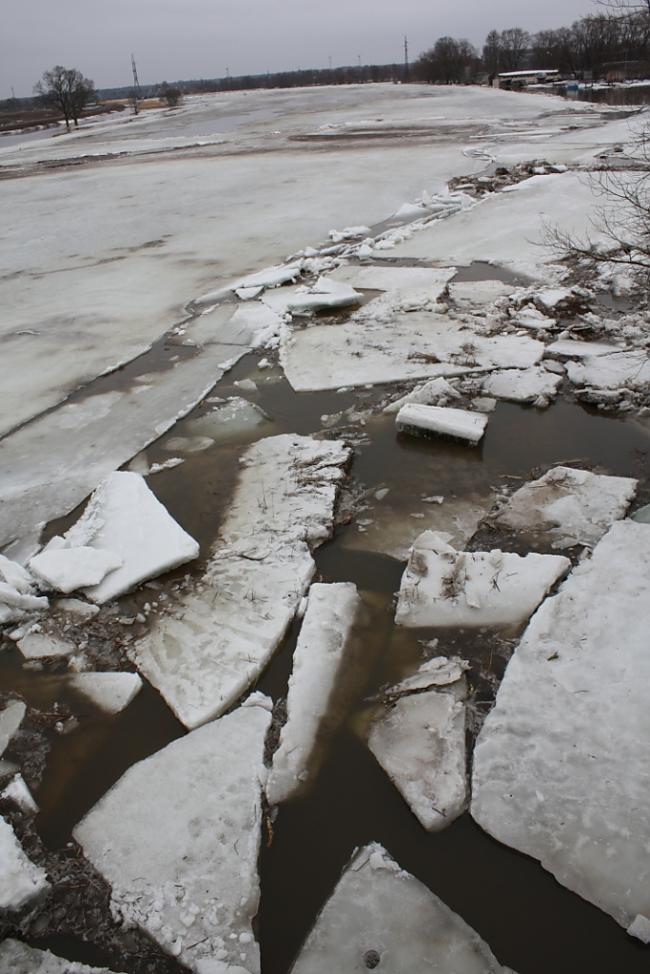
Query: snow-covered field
[[311, 359]]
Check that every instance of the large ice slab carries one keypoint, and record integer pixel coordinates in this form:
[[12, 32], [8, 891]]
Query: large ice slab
[[317, 665], [204, 654], [178, 838], [379, 916], [432, 280], [68, 568], [523, 385], [568, 506], [125, 519], [20, 880], [18, 958], [445, 587], [418, 737], [627, 370], [458, 423], [411, 346], [561, 767]]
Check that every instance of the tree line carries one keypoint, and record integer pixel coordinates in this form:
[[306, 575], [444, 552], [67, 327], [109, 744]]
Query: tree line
[[612, 36]]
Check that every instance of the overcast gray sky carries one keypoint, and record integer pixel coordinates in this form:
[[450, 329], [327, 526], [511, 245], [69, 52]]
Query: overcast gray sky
[[175, 39]]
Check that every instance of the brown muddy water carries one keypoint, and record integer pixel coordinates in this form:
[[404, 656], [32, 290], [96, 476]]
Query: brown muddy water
[[531, 922]]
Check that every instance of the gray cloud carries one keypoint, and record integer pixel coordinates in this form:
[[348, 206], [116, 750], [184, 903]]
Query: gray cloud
[[175, 39]]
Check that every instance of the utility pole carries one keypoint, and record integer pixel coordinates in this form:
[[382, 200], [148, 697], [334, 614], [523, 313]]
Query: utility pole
[[136, 86], [406, 58], [329, 60]]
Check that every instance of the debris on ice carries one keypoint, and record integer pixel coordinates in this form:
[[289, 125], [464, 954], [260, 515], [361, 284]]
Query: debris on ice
[[445, 587], [523, 385], [379, 916], [458, 423], [418, 737], [568, 506], [561, 769], [20, 880], [21, 959], [180, 853], [126, 520], [203, 654], [317, 665]]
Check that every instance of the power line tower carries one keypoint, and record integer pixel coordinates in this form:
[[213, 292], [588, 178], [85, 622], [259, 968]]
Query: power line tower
[[406, 58], [137, 91]]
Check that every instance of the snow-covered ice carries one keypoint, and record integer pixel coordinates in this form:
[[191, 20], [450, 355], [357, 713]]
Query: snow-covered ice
[[178, 838], [432, 280], [204, 654], [325, 294], [523, 385], [462, 424], [561, 767], [20, 879], [445, 587], [11, 718], [318, 661], [476, 294], [19, 958], [68, 568], [111, 692], [568, 506], [381, 916], [621, 370], [418, 737], [42, 645], [123, 520], [436, 392], [406, 346]]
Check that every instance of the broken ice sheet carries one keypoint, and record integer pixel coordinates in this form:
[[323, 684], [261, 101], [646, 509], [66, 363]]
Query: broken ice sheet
[[325, 294], [317, 663], [19, 958], [461, 424], [379, 916], [218, 639], [235, 418], [561, 766], [418, 737], [20, 880], [180, 853], [444, 587], [567, 506], [123, 518]]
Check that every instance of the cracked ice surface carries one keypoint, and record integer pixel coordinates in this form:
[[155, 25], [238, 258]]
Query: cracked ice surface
[[317, 664], [178, 839], [568, 506], [409, 346], [445, 587], [204, 655], [21, 959], [561, 767], [380, 915], [419, 740], [53, 463]]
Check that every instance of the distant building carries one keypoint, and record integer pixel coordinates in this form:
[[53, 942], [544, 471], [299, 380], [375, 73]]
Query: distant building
[[521, 79], [613, 71]]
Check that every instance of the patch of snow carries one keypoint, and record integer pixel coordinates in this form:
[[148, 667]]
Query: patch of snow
[[180, 853], [419, 740], [523, 385], [202, 656], [560, 768], [459, 423], [444, 587], [20, 880], [568, 506], [317, 664], [381, 916], [126, 520]]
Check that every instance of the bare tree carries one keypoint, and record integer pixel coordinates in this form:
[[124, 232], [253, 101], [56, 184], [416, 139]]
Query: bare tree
[[449, 61], [170, 93], [67, 90], [514, 45]]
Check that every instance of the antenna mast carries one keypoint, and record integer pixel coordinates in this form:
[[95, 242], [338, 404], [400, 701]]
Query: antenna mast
[[137, 92], [406, 58]]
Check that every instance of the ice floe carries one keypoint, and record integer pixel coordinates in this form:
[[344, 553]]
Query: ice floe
[[111, 692], [317, 665], [432, 280], [178, 838], [124, 524], [10, 720], [325, 294], [20, 879], [270, 277], [568, 506], [234, 418], [379, 916], [21, 959], [523, 385], [209, 648], [406, 346], [622, 370], [561, 768], [418, 737], [445, 587], [41, 645], [476, 294], [461, 424], [436, 392]]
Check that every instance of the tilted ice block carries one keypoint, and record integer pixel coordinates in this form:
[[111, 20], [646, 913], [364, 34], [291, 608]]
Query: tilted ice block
[[459, 423], [562, 767]]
